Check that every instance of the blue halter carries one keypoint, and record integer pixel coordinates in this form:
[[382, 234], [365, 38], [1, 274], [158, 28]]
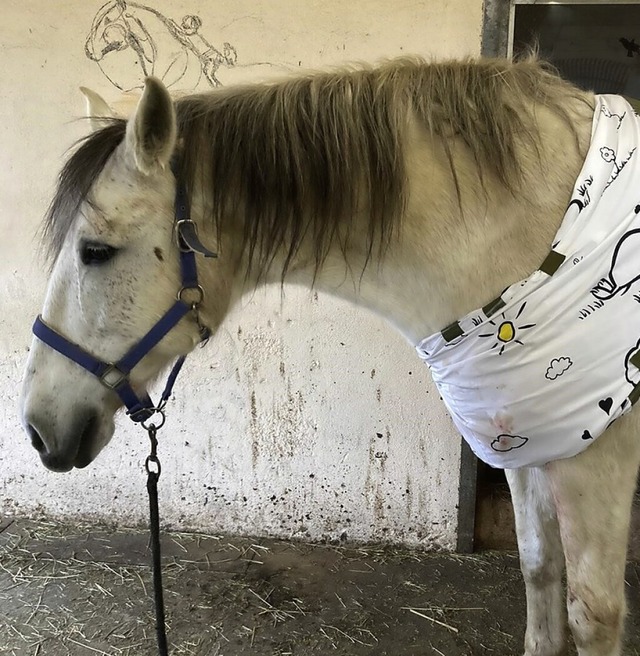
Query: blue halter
[[115, 376]]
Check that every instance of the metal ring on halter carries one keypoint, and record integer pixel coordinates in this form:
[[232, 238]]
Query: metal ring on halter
[[153, 426], [200, 293]]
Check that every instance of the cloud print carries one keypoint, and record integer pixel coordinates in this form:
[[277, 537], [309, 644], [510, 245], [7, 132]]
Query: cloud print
[[504, 442], [557, 367]]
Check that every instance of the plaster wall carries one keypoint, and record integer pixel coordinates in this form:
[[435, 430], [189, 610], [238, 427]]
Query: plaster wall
[[303, 417]]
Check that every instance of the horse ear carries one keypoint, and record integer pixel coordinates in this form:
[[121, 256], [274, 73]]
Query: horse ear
[[97, 108], [151, 131]]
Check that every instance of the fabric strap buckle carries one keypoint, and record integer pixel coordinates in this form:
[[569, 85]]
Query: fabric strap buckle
[[112, 377]]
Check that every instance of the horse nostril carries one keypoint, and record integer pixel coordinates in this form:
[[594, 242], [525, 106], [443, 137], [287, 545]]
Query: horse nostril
[[36, 440]]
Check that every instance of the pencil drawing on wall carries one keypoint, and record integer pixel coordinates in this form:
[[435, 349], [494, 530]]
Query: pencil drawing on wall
[[130, 41]]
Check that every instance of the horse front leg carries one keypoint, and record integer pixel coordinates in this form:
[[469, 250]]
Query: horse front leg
[[593, 493], [541, 561]]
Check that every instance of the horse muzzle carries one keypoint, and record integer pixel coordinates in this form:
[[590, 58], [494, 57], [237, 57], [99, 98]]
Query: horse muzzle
[[62, 452]]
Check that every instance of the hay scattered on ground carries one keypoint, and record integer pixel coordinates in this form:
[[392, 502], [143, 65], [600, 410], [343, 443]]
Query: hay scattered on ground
[[84, 591]]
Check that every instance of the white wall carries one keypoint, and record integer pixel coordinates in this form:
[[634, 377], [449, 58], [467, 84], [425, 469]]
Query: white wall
[[303, 417]]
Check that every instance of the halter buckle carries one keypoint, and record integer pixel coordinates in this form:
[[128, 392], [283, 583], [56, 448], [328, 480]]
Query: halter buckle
[[182, 244], [186, 232], [112, 377]]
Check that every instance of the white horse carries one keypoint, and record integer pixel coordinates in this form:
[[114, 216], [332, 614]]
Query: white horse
[[419, 191]]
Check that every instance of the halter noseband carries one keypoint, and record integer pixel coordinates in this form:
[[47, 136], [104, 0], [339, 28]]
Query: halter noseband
[[115, 376]]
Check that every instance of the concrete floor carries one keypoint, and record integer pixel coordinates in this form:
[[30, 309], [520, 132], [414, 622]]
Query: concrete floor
[[82, 591]]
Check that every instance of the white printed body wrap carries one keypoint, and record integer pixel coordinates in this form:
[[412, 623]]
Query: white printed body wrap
[[543, 370]]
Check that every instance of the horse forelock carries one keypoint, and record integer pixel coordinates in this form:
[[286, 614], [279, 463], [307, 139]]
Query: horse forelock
[[76, 180]]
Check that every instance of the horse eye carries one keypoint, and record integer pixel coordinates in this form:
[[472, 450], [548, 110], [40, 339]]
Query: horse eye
[[94, 253]]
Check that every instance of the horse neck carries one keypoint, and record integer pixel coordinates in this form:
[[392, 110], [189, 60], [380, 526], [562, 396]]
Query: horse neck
[[454, 253]]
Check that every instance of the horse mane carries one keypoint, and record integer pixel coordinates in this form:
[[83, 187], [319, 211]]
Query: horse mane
[[297, 159]]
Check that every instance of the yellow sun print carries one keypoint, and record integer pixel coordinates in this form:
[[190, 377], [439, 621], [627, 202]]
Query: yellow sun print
[[507, 330]]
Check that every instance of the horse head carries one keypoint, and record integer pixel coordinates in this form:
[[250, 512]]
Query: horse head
[[116, 271]]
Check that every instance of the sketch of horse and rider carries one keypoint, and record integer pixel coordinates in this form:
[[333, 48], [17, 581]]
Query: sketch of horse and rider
[[155, 45]]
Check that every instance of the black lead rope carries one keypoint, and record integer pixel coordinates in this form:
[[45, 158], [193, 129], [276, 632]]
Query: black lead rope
[[152, 465]]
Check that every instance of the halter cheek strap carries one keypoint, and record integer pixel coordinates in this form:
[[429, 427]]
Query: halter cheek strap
[[115, 376]]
